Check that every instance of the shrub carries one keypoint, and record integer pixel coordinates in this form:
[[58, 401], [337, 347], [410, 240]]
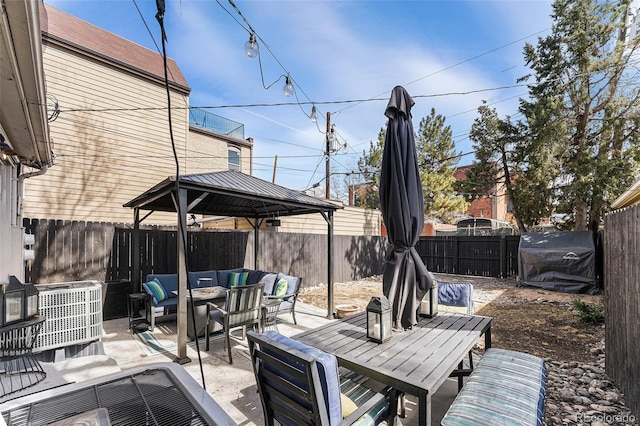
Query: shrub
[[591, 313]]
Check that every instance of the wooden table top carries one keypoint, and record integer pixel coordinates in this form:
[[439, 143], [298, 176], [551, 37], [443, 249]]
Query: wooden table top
[[414, 361]]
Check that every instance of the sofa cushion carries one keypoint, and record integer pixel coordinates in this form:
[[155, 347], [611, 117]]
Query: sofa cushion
[[213, 274], [169, 282], [292, 282], [254, 276], [269, 281], [155, 289], [237, 279], [223, 276]]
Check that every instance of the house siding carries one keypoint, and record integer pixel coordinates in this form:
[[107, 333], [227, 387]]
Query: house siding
[[104, 158]]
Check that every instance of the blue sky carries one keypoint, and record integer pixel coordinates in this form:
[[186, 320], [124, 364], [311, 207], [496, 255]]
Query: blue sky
[[335, 51]]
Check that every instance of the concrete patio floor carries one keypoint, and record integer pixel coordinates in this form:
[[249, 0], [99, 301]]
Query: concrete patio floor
[[231, 385]]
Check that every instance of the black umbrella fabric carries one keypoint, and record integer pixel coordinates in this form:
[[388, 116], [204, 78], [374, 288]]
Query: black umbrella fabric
[[405, 279]]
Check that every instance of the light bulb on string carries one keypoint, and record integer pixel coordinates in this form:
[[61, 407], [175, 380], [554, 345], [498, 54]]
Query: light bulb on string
[[314, 114], [251, 47], [287, 89]]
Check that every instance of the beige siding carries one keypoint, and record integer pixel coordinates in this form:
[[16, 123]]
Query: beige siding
[[348, 221], [105, 158], [209, 153]]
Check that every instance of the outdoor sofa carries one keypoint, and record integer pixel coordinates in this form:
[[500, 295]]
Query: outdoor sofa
[[163, 302]]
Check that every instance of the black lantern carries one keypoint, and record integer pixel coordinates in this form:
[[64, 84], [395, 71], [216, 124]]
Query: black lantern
[[379, 315], [18, 301], [429, 304]]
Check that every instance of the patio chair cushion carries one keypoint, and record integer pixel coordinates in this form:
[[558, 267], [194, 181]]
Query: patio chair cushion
[[155, 289], [327, 369], [456, 295], [237, 278], [269, 281], [194, 276]]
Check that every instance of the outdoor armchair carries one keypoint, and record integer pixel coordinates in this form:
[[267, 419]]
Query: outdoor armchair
[[242, 308], [301, 385]]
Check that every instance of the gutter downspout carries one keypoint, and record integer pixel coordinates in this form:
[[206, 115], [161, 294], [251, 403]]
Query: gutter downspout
[[42, 171]]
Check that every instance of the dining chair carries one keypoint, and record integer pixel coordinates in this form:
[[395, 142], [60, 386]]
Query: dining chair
[[242, 308], [301, 385]]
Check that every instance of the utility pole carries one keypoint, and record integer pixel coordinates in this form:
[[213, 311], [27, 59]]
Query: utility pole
[[328, 161]]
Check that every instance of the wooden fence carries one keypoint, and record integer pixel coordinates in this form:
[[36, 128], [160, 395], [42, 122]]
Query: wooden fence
[[622, 298], [488, 256], [74, 251]]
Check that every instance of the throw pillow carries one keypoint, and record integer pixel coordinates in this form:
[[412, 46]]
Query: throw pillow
[[155, 289], [348, 406], [281, 288], [237, 278]]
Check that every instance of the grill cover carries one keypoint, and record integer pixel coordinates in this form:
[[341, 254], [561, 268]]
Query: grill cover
[[558, 261]]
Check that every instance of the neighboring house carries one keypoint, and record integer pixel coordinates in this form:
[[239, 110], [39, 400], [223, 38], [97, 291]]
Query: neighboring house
[[349, 220], [494, 206], [629, 198], [25, 148], [111, 137]]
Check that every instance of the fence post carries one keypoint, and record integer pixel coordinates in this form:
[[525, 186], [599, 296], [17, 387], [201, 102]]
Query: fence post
[[503, 256]]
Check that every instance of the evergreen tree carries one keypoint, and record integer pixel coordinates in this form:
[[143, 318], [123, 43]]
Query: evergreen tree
[[437, 160], [582, 140], [369, 169]]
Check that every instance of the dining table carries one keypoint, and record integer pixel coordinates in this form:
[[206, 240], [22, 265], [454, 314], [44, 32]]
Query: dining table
[[414, 361], [197, 302]]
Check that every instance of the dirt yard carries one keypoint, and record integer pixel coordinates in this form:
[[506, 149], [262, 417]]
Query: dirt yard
[[530, 320]]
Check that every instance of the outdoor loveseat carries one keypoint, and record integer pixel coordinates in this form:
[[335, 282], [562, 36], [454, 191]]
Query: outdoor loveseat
[[163, 302]]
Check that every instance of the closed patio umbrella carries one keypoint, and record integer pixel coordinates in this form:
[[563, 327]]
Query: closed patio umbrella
[[405, 278]]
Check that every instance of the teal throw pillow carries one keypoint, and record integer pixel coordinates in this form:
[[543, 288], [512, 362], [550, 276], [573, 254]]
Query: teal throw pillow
[[237, 278], [155, 289], [281, 288]]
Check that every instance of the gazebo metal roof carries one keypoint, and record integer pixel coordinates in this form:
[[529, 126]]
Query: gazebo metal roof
[[231, 193]]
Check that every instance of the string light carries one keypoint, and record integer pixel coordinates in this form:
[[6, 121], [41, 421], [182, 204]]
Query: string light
[[287, 89], [314, 114], [251, 46]]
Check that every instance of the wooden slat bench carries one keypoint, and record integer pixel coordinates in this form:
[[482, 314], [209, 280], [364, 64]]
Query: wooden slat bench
[[505, 388]]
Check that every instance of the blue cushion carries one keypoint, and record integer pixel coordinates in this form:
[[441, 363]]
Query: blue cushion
[[155, 289], [254, 276], [327, 369], [454, 294]]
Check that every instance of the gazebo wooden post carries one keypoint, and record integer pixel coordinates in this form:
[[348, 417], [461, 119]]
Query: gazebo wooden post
[[136, 284], [330, 264], [181, 319]]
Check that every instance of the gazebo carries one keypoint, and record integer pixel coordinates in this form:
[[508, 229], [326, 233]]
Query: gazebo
[[227, 193]]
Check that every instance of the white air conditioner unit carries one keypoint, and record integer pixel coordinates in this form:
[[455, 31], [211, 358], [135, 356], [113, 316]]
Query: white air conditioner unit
[[73, 312]]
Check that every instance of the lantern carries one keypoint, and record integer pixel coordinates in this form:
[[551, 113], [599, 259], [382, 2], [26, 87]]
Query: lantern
[[379, 315], [19, 302], [429, 304], [12, 307], [31, 301]]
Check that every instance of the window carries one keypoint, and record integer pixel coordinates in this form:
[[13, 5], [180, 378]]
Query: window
[[234, 159]]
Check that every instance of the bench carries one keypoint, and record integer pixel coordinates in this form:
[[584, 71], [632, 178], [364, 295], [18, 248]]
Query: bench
[[505, 388]]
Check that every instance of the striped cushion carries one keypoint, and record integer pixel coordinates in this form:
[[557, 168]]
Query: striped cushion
[[237, 278], [506, 388], [155, 289]]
